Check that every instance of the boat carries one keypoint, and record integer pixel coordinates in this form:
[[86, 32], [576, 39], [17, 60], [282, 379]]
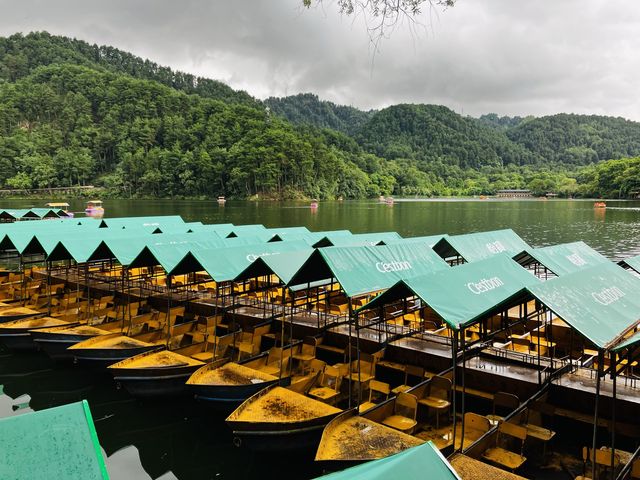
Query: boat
[[278, 418], [56, 341], [600, 204], [222, 200], [9, 313], [94, 208], [164, 373], [230, 383], [16, 335], [60, 207], [389, 200], [348, 440], [314, 204]]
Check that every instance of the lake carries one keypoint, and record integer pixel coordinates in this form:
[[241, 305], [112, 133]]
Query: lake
[[181, 439]]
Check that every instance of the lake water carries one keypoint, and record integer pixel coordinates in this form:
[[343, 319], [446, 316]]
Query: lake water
[[181, 439]]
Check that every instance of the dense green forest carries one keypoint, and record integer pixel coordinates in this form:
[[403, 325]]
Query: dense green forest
[[72, 113]]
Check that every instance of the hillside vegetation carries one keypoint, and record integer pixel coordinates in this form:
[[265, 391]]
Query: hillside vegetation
[[72, 113]]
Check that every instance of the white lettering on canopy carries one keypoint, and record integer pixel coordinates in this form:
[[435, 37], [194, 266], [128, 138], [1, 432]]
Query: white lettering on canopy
[[485, 285], [393, 266], [254, 256], [607, 296], [496, 247], [577, 260]]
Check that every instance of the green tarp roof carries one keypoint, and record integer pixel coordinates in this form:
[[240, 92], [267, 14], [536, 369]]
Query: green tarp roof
[[478, 246], [562, 259], [465, 294], [371, 239], [366, 269], [126, 222], [283, 266], [222, 229], [631, 262], [430, 240], [424, 462], [225, 264], [239, 230], [310, 237], [59, 443], [601, 302]]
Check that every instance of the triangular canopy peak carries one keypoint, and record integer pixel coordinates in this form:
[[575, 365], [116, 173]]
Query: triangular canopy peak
[[472, 247], [562, 259], [365, 269]]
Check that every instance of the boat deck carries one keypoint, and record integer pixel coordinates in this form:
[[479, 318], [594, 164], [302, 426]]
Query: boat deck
[[358, 438], [471, 469], [280, 405], [233, 374], [163, 359]]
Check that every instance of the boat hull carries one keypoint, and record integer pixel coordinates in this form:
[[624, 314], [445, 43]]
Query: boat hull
[[18, 316], [229, 396], [56, 345], [103, 357], [22, 341], [155, 382], [267, 437]]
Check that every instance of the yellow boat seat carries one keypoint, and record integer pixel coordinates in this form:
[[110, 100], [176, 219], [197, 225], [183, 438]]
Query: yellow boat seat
[[404, 417]]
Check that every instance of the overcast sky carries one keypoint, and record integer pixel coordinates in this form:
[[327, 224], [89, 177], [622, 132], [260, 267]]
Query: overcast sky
[[511, 57]]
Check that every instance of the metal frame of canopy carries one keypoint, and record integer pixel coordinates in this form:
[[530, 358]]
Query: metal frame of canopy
[[449, 296], [361, 271]]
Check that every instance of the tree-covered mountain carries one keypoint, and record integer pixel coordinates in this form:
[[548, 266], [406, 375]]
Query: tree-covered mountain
[[307, 108], [578, 139], [430, 133], [73, 113], [22, 54]]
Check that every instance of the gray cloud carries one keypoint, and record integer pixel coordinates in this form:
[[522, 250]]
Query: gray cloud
[[504, 56]]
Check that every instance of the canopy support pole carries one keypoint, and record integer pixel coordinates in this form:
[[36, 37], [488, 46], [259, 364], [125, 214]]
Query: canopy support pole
[[48, 264], [463, 340], [454, 357], [168, 310], [614, 373], [349, 354], [358, 358], [595, 415]]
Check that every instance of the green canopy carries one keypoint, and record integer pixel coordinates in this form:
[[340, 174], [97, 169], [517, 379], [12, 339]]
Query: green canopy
[[601, 302], [478, 246], [282, 266], [366, 269], [424, 462], [562, 259], [381, 238], [632, 262], [225, 264], [310, 237], [239, 230], [429, 240], [42, 213], [222, 229], [126, 222], [59, 442], [465, 294]]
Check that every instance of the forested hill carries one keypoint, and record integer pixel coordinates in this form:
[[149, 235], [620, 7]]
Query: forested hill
[[21, 54], [73, 113], [307, 108], [430, 132]]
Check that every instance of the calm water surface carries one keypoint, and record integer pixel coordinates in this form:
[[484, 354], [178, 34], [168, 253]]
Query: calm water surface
[[180, 439]]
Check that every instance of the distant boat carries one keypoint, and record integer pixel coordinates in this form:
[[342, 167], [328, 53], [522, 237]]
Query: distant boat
[[60, 207], [314, 204], [389, 200], [221, 200], [599, 205], [94, 208]]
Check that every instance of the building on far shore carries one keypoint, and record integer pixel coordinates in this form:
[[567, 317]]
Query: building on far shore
[[512, 192]]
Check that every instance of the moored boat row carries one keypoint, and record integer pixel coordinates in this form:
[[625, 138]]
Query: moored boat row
[[473, 342]]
